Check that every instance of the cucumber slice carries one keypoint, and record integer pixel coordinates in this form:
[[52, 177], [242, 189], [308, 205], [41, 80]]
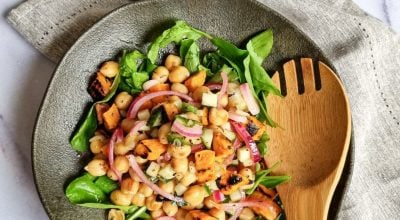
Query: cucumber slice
[[207, 137]]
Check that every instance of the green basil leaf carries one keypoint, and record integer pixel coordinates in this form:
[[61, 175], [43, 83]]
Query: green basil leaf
[[181, 30], [260, 78], [259, 178], [213, 62], [190, 53], [106, 184], [138, 78], [129, 62], [80, 139], [83, 190], [126, 209]]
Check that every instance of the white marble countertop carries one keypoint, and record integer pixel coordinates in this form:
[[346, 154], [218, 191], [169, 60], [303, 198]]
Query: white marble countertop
[[25, 75]]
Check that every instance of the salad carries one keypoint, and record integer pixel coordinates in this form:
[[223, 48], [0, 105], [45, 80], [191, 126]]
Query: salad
[[180, 135]]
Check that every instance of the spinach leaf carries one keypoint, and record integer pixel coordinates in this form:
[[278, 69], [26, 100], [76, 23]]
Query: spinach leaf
[[139, 214], [80, 139], [134, 69], [126, 209], [260, 46], [213, 62], [190, 53], [130, 62], [181, 30], [232, 54], [232, 75], [83, 190], [261, 80], [273, 181], [106, 184], [267, 181]]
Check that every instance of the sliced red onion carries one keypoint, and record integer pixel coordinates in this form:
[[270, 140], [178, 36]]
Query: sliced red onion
[[190, 132], [139, 101], [166, 218], [150, 83], [236, 117], [236, 214], [138, 125], [249, 99], [246, 137], [154, 187], [214, 86], [218, 196], [224, 88], [264, 204], [237, 143], [197, 148], [167, 156], [117, 135]]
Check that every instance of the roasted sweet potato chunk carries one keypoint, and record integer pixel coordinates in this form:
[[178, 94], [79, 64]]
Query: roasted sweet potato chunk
[[230, 182], [255, 128], [204, 159], [196, 80], [171, 110], [198, 215], [157, 88], [100, 109], [111, 117], [222, 146], [155, 148], [100, 87]]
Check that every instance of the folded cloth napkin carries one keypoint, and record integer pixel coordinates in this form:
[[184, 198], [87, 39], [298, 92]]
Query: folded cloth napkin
[[365, 53]]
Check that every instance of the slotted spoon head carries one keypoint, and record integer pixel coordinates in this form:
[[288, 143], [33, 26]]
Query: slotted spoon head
[[312, 140]]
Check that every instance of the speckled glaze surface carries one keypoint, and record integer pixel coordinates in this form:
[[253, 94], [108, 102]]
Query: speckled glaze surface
[[55, 163]]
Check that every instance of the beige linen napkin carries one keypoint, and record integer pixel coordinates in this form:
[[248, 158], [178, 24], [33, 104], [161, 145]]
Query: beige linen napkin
[[365, 53]]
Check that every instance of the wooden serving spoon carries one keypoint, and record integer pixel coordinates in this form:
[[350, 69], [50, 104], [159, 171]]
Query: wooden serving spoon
[[312, 141]]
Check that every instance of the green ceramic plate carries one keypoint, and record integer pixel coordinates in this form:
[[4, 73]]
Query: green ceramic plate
[[132, 26]]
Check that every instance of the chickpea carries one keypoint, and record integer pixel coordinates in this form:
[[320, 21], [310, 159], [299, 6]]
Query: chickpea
[[180, 215], [224, 101], [127, 124], [247, 214], [112, 175], [133, 175], [198, 93], [100, 156], [232, 87], [178, 74], [176, 101], [123, 100], [119, 198], [138, 199], [180, 165], [167, 186], [97, 167], [115, 214], [121, 148], [97, 143], [179, 151], [246, 172], [157, 213], [129, 186], [179, 87], [110, 69], [152, 204], [169, 208], [145, 190], [194, 195], [121, 164], [217, 213], [160, 74], [218, 116], [192, 116], [210, 202], [164, 130], [172, 61]]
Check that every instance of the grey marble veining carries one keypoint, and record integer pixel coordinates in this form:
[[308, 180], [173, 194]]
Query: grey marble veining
[[25, 74]]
